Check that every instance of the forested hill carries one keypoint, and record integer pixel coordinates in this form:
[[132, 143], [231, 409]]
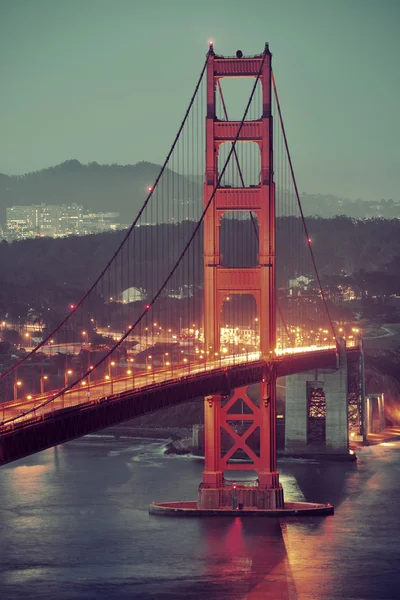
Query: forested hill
[[342, 246], [98, 188], [122, 188]]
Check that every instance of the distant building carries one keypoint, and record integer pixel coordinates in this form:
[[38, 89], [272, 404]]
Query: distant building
[[56, 221], [299, 282], [47, 220], [69, 219], [97, 222], [21, 222], [132, 294], [185, 291]]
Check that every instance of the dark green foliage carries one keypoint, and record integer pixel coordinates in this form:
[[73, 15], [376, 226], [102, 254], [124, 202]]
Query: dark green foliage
[[46, 275]]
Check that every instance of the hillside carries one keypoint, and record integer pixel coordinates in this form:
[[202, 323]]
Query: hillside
[[347, 252], [122, 188], [98, 188]]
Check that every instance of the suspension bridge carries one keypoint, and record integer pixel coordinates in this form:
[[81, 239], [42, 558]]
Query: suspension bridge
[[213, 287]]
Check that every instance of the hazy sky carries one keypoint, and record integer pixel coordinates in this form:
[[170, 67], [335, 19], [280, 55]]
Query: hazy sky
[[109, 80]]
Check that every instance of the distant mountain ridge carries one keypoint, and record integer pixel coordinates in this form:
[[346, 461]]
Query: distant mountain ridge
[[122, 188], [98, 188]]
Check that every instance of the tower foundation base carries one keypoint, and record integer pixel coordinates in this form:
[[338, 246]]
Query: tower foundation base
[[238, 496], [191, 509]]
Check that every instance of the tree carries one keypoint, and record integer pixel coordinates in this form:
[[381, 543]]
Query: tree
[[12, 337]]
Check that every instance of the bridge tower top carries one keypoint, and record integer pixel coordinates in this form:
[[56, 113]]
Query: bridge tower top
[[258, 200]]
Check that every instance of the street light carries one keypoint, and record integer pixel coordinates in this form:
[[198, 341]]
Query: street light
[[110, 365], [130, 372], [164, 362], [108, 379], [66, 375], [17, 384], [43, 378]]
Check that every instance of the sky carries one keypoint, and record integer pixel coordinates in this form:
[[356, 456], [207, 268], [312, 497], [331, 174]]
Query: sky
[[109, 81]]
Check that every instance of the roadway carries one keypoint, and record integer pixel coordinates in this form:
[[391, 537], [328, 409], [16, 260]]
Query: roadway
[[388, 338], [28, 426], [82, 393]]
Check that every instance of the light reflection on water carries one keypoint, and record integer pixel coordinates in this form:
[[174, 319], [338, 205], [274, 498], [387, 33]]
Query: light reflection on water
[[74, 524]]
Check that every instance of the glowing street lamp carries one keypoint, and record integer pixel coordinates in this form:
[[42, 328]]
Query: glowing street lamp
[[111, 364], [66, 375], [131, 372], [17, 384], [165, 362], [43, 378]]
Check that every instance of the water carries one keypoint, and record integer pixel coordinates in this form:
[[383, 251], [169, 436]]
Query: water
[[74, 524]]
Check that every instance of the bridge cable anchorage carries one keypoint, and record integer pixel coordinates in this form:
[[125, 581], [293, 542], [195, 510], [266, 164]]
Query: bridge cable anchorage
[[250, 213], [180, 258], [125, 238], [301, 208]]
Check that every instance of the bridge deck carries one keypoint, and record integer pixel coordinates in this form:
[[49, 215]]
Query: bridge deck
[[27, 426]]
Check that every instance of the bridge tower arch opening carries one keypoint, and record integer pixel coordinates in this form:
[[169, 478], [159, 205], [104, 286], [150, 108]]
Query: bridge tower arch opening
[[240, 332], [258, 280]]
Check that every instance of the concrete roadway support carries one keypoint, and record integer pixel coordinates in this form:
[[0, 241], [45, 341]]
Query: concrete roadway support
[[297, 420], [374, 413]]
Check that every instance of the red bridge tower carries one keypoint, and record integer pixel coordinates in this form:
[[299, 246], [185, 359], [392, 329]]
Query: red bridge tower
[[259, 281]]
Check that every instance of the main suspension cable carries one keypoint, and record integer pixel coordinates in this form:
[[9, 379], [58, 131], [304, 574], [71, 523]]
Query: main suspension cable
[[300, 207], [172, 271], [125, 238]]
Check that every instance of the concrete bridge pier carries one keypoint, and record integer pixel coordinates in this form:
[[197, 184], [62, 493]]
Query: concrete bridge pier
[[316, 419], [374, 413]]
